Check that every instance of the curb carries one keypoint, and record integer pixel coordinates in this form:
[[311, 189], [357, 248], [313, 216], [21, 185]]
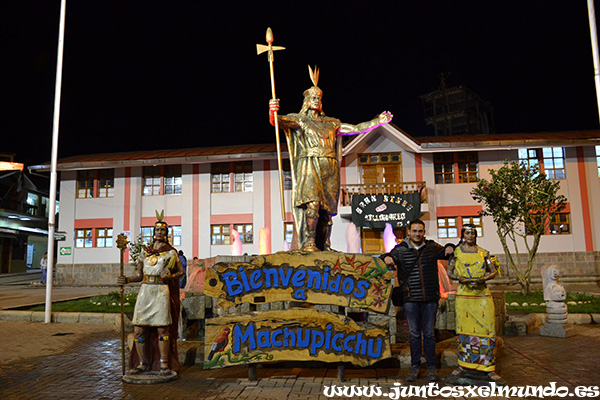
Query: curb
[[522, 325], [63, 317]]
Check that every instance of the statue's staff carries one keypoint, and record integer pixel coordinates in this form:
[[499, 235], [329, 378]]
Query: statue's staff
[[122, 245], [269, 48]]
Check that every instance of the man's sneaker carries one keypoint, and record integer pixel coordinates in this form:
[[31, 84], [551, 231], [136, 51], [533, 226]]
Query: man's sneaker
[[432, 374], [413, 374]]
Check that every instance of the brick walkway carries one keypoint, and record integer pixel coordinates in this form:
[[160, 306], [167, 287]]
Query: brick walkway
[[84, 362]]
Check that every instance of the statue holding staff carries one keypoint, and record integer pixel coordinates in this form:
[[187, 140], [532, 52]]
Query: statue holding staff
[[314, 144], [156, 313]]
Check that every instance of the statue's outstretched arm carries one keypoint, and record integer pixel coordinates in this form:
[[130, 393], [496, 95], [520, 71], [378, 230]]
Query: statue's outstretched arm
[[364, 127]]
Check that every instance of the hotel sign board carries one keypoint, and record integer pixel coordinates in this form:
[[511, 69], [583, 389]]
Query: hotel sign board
[[374, 211]]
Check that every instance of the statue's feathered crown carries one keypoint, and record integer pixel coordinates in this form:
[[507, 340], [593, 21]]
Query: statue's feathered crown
[[314, 77]]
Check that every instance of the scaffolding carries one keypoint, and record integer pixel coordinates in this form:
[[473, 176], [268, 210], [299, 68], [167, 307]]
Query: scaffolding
[[457, 111]]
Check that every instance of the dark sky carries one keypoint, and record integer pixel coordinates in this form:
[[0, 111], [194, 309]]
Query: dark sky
[[142, 75]]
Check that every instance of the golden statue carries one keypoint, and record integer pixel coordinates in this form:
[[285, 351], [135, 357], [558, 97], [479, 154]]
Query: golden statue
[[314, 144]]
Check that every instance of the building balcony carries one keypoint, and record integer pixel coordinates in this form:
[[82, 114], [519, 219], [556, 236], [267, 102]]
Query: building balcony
[[380, 188]]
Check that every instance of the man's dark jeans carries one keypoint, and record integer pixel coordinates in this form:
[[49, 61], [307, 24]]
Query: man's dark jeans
[[421, 319]]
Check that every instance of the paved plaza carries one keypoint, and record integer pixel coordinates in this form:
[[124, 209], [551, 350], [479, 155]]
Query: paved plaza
[[75, 361], [78, 361]]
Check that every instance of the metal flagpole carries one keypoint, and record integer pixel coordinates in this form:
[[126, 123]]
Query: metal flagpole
[[53, 175], [594, 36]]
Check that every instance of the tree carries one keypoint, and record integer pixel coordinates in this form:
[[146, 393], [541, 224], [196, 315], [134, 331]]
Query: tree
[[522, 202]]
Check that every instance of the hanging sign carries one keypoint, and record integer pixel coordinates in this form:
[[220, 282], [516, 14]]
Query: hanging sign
[[374, 211]]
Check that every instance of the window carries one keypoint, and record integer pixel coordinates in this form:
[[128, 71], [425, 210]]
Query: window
[[83, 238], [598, 159], [456, 167], [173, 180], [95, 183], [152, 178], [245, 232], [551, 160], [287, 174], [381, 167], [220, 234], [174, 235], [554, 162], [223, 174], [477, 221], [104, 237], [288, 232], [447, 227], [147, 233], [106, 183], [85, 184], [467, 167], [243, 176], [160, 180], [220, 177], [560, 224], [443, 165]]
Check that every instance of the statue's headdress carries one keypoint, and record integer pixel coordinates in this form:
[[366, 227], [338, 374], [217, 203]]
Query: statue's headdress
[[160, 218], [314, 77]]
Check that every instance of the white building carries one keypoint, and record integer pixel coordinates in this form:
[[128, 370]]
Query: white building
[[207, 192]]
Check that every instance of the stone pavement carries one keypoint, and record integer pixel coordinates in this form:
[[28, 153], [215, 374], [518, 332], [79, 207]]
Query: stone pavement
[[74, 361]]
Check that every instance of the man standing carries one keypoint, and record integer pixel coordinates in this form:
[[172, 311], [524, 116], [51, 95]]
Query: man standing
[[44, 267], [183, 261], [416, 260], [314, 146]]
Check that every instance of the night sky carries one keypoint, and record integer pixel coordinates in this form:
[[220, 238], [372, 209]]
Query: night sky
[[142, 75]]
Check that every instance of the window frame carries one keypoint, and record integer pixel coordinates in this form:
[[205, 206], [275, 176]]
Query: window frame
[[95, 177], [597, 147], [225, 237], [447, 226], [549, 223], [288, 229], [470, 219], [87, 237], [247, 235], [159, 175], [103, 234], [535, 156], [173, 235], [232, 177], [380, 161], [454, 167]]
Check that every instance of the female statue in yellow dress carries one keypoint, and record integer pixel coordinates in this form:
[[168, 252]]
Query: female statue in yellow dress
[[475, 317]]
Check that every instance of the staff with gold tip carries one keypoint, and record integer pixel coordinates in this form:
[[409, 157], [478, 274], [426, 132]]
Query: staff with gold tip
[[269, 48], [122, 245]]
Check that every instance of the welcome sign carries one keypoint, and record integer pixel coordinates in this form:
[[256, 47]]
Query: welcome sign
[[374, 211], [350, 280], [295, 334]]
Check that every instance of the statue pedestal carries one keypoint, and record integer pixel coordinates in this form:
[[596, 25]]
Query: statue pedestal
[[557, 330], [149, 378], [471, 377]]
